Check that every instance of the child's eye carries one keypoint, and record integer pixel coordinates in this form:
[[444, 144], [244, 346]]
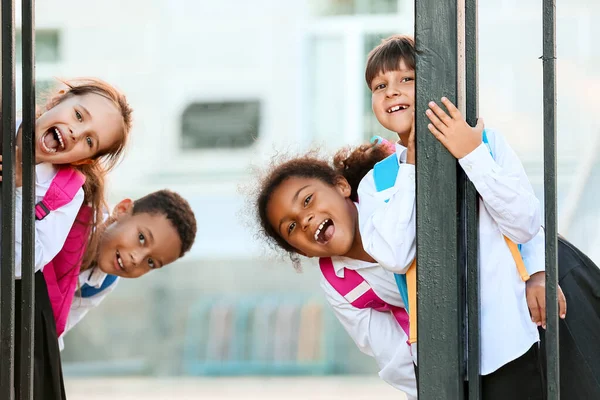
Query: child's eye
[[380, 86], [291, 227], [89, 141], [151, 263], [307, 200], [78, 116], [142, 238], [407, 79]]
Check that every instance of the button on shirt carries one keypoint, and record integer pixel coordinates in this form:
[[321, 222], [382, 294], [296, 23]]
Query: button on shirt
[[507, 206]]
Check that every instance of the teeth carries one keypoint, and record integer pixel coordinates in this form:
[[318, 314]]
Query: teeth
[[60, 139], [396, 108], [319, 229], [120, 261]]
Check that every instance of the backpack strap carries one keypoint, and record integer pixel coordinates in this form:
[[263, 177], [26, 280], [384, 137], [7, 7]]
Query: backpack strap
[[63, 188], [385, 172], [384, 175], [357, 291], [89, 291]]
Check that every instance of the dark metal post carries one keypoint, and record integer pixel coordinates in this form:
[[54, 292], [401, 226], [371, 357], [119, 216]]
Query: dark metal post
[[470, 210], [7, 272], [439, 285], [550, 207], [28, 218]]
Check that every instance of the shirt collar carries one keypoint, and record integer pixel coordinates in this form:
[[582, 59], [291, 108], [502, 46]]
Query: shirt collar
[[93, 277], [44, 173], [339, 263], [401, 153]]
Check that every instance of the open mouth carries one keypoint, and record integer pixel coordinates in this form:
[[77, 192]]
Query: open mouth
[[52, 140], [324, 232], [399, 107], [120, 261]]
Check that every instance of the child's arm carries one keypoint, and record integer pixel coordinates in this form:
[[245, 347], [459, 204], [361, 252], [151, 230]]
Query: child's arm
[[378, 335], [500, 180], [534, 257], [387, 220], [50, 232]]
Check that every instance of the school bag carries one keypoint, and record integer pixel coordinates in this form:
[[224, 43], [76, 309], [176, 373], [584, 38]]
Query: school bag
[[61, 274]]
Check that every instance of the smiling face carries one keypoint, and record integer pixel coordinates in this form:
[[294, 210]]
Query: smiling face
[[77, 129], [135, 244], [393, 98], [317, 219]]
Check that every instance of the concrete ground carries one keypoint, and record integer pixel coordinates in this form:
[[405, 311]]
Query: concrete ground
[[251, 388]]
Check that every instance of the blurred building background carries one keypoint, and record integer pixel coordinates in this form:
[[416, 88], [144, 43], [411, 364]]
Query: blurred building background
[[218, 87]]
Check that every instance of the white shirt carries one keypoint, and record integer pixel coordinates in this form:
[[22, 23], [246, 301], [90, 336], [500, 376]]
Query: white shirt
[[93, 277], [376, 333], [50, 232], [508, 207]]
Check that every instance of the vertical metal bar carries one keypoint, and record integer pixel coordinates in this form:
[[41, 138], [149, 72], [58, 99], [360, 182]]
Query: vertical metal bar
[[7, 247], [550, 200], [438, 284], [28, 158], [470, 205]]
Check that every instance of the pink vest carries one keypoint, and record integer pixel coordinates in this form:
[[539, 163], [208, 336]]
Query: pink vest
[[357, 291], [62, 272]]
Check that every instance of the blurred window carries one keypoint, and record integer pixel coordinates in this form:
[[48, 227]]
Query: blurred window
[[353, 7], [219, 125]]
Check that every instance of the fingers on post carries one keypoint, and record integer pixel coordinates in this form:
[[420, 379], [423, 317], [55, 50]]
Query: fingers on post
[[454, 112], [441, 114]]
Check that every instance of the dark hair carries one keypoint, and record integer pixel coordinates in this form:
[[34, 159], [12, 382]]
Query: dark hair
[[354, 163], [350, 164], [176, 209], [388, 54]]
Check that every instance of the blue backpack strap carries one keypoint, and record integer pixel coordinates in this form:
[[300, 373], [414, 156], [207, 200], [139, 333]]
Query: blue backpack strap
[[403, 289], [384, 176], [385, 172], [89, 291]]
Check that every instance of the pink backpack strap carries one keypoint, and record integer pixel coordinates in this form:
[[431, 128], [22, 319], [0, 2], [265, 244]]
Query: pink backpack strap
[[63, 188], [357, 291]]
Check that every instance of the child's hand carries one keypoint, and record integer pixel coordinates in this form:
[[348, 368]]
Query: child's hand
[[536, 299], [453, 131], [410, 146]]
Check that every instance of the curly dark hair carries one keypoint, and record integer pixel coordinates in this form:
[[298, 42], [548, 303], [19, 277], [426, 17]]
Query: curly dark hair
[[176, 209], [351, 164], [354, 163]]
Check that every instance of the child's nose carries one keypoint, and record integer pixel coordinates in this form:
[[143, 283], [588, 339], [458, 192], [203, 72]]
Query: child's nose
[[306, 221], [135, 258], [392, 91]]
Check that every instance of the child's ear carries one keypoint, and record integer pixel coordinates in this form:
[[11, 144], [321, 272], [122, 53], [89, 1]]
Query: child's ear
[[124, 207], [343, 186]]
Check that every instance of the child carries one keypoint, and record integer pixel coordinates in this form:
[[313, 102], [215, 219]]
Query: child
[[140, 236], [509, 213], [307, 207], [79, 137]]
